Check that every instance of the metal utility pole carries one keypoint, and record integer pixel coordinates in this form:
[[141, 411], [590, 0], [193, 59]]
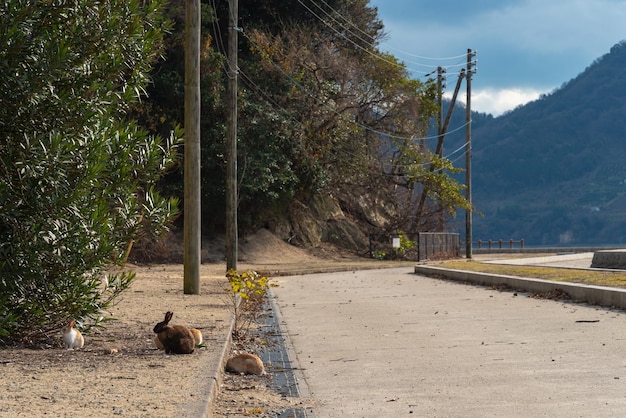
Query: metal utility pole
[[468, 156], [192, 205], [231, 140]]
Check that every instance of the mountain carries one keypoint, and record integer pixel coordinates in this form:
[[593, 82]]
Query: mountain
[[553, 171]]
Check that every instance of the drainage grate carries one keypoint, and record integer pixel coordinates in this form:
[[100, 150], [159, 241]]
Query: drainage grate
[[276, 359]]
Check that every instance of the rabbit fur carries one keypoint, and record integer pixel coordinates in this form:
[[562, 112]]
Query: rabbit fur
[[176, 339], [72, 338], [245, 363], [197, 336]]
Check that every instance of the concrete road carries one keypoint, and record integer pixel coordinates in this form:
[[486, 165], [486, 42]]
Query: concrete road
[[390, 343]]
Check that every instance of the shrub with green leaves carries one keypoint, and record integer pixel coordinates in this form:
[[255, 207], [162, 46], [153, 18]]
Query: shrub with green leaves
[[247, 291], [406, 245], [76, 176]]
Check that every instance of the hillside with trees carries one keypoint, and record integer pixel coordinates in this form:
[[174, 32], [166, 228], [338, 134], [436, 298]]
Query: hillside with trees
[[329, 126], [551, 171]]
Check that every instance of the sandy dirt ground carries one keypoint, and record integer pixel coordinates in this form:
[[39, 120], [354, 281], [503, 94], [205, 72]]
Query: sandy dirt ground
[[119, 372]]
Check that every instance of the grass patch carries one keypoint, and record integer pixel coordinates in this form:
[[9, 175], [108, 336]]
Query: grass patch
[[598, 278]]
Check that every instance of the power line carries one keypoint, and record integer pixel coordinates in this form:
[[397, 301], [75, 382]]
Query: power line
[[456, 57], [259, 90], [324, 104], [367, 51], [253, 86], [220, 42], [372, 42]]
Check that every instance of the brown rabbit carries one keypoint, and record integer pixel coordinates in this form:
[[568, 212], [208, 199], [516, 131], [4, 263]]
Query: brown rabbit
[[175, 339], [197, 336], [245, 363], [72, 337]]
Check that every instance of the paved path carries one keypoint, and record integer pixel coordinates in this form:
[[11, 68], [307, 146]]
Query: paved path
[[390, 343]]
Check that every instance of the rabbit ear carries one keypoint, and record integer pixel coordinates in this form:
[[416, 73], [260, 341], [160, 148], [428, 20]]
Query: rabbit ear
[[71, 324], [168, 316]]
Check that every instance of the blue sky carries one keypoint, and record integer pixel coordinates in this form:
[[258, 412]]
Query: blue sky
[[523, 47]]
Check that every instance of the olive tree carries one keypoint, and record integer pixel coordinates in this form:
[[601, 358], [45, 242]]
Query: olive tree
[[76, 174]]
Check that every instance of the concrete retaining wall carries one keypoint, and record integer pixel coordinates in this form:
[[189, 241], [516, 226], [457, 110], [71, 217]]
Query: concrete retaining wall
[[609, 259], [596, 295]]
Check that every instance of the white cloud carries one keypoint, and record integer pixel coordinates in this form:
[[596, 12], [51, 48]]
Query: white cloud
[[499, 101]]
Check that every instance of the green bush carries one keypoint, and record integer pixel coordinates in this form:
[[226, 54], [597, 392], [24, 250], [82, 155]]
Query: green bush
[[247, 295], [75, 175]]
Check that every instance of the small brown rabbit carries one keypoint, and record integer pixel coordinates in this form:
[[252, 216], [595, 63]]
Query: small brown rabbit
[[197, 336], [175, 339], [245, 363], [72, 337]]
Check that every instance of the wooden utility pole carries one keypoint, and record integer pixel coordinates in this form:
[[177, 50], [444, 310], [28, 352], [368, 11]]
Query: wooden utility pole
[[440, 86], [231, 140], [442, 129], [192, 216], [468, 156], [440, 134], [446, 122]]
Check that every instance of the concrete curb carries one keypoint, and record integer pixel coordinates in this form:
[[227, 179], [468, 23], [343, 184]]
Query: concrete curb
[[217, 373], [596, 295]]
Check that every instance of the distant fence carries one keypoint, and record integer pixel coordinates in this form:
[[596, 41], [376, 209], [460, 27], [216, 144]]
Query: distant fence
[[438, 245], [415, 246], [499, 244]]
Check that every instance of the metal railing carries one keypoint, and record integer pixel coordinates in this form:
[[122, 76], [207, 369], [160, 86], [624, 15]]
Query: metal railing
[[500, 243], [417, 246]]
